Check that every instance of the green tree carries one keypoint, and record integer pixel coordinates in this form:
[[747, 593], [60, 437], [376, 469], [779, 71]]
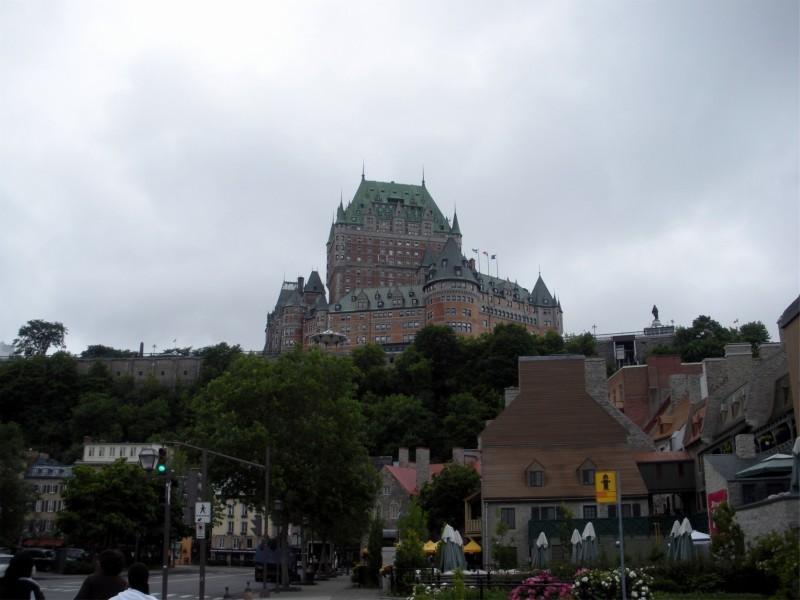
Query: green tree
[[38, 394], [443, 497], [37, 336], [584, 343], [396, 421], [374, 551], [414, 519], [372, 374], [466, 417], [96, 415], [302, 406], [101, 351], [550, 343], [754, 332], [491, 360], [706, 338], [15, 494], [216, 360], [727, 544], [117, 505]]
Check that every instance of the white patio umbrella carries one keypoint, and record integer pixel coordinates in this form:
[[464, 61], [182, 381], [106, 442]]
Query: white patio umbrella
[[589, 549], [541, 553], [672, 540], [577, 545], [685, 550], [452, 552]]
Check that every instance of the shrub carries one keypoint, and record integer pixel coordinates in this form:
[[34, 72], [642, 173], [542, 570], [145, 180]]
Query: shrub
[[606, 584], [727, 544], [543, 586], [777, 557]]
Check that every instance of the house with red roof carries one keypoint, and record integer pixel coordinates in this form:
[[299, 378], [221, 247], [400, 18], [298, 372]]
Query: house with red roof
[[403, 480]]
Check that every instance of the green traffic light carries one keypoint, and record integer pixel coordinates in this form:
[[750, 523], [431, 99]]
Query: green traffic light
[[162, 468]]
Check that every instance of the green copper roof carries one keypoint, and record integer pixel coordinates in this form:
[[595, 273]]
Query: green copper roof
[[455, 230], [383, 198]]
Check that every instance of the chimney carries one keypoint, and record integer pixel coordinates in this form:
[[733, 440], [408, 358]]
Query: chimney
[[769, 348], [300, 281], [738, 349], [141, 349], [423, 460], [402, 457], [745, 445], [458, 455]]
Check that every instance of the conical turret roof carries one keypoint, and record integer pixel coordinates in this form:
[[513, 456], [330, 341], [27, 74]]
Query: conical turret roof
[[541, 295]]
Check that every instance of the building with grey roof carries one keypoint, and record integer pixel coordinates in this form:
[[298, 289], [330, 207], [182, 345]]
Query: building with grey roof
[[395, 265]]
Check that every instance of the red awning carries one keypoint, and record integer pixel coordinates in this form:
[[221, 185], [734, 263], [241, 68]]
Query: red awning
[[43, 543]]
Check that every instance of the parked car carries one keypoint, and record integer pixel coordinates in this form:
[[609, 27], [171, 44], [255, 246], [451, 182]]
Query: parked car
[[44, 559], [4, 560]]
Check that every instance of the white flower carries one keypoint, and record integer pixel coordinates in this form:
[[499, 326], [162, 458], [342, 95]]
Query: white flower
[[635, 594], [584, 578]]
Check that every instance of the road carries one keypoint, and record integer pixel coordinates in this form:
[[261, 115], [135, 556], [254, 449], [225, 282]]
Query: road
[[183, 582]]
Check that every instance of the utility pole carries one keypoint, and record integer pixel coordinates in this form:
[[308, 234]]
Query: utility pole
[[204, 496], [166, 549], [265, 530]]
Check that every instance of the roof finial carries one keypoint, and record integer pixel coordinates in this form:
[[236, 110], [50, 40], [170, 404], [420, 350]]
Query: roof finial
[[423, 175], [362, 169]]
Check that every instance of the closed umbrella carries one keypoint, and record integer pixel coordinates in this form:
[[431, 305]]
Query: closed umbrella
[[685, 551], [452, 555], [541, 552], [589, 550], [577, 546], [672, 540]]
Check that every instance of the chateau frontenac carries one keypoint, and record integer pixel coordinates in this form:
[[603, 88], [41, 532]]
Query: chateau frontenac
[[395, 265]]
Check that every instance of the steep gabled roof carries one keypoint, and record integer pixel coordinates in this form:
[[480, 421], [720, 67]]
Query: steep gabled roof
[[407, 476], [385, 200], [555, 421]]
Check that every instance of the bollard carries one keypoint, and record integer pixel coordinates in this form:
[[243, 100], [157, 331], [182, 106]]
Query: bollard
[[227, 594], [248, 593]]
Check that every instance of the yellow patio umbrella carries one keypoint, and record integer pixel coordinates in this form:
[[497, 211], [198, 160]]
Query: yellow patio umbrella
[[430, 547], [472, 548]]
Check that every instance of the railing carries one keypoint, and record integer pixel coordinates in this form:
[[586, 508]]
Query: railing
[[472, 526]]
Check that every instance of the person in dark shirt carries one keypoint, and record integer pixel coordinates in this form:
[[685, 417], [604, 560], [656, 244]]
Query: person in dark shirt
[[106, 582], [17, 584]]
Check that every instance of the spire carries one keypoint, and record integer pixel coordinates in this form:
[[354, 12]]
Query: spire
[[454, 228], [423, 175], [362, 170]]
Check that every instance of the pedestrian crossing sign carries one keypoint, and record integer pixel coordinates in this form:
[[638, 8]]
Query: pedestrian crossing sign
[[605, 487]]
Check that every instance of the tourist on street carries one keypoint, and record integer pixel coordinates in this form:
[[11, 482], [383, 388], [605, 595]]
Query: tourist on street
[[17, 584], [138, 588], [106, 582]]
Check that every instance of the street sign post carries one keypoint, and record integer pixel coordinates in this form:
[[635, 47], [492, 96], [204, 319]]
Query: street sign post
[[202, 512], [200, 531], [605, 487]]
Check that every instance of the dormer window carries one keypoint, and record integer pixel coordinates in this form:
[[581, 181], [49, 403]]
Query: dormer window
[[535, 475], [586, 472]]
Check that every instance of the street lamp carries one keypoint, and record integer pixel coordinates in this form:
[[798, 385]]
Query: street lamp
[[147, 459]]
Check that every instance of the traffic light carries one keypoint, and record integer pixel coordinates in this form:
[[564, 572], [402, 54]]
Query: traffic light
[[161, 465]]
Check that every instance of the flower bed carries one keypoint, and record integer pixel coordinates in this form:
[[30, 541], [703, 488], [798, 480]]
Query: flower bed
[[606, 584]]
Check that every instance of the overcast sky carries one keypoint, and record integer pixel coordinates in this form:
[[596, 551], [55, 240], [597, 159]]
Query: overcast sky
[[164, 166]]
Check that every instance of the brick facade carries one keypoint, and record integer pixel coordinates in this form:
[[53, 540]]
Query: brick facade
[[395, 265]]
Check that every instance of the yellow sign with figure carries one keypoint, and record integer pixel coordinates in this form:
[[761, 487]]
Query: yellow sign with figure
[[605, 487]]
